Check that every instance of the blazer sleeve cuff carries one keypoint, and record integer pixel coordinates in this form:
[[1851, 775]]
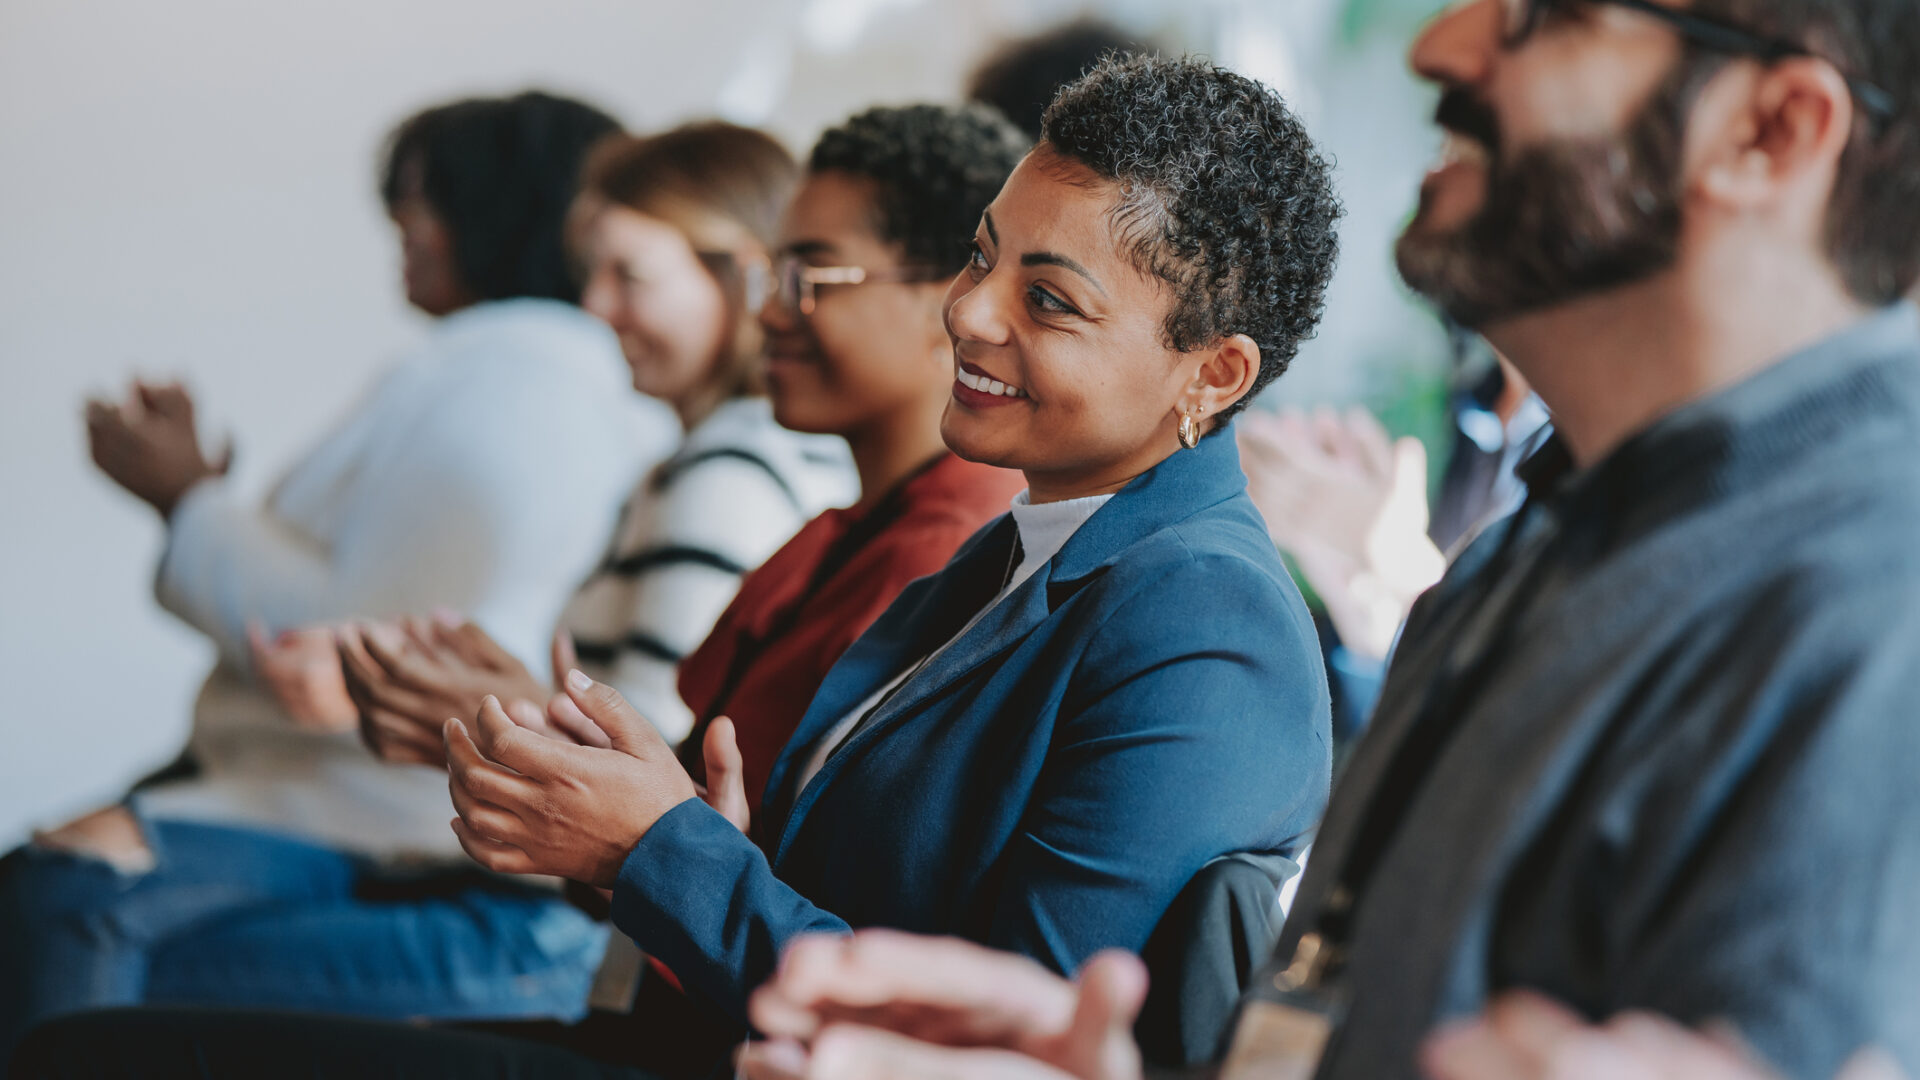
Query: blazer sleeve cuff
[[699, 897]]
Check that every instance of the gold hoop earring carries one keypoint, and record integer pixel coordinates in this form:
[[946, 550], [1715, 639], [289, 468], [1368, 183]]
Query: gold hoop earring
[[1189, 432]]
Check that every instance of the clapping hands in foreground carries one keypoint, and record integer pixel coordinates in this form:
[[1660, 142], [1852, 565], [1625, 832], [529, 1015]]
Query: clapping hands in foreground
[[883, 1004]]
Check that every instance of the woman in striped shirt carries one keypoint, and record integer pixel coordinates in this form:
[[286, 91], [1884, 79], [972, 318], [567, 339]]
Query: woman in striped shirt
[[677, 233]]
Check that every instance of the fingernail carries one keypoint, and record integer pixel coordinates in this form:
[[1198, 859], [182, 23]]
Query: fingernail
[[457, 725], [578, 680], [448, 618]]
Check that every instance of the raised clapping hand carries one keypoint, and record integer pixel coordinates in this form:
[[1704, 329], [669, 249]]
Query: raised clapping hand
[[883, 1004], [407, 678], [149, 445], [1524, 1036], [1350, 505], [529, 804]]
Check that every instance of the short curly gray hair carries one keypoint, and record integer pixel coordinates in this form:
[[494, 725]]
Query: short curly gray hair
[[1223, 196]]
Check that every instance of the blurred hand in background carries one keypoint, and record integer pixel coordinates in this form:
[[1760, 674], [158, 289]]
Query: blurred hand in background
[[301, 669], [149, 444], [1350, 505], [406, 679]]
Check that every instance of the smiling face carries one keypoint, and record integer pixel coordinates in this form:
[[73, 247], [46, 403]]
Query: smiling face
[[1561, 173], [644, 280], [1062, 365], [868, 354]]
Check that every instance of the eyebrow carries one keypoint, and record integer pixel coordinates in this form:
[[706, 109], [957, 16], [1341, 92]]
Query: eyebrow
[[804, 248], [1043, 258], [1048, 258]]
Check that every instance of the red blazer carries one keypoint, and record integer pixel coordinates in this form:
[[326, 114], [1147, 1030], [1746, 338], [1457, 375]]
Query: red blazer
[[788, 624]]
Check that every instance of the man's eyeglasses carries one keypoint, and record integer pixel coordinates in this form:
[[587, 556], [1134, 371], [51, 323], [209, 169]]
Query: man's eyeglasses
[[795, 282], [1523, 17]]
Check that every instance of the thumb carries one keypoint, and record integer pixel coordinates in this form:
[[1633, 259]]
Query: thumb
[[726, 773], [1410, 464], [627, 731], [1099, 1041], [1408, 494]]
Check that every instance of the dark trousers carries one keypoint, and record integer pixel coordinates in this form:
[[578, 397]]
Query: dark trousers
[[676, 1037], [177, 1044]]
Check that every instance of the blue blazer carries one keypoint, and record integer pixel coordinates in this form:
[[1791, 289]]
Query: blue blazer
[[1149, 699]]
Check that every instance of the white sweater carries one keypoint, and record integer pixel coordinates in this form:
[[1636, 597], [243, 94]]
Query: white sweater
[[736, 490], [481, 476]]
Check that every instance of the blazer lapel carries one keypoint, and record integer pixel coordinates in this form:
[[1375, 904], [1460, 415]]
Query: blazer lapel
[[926, 616], [998, 632]]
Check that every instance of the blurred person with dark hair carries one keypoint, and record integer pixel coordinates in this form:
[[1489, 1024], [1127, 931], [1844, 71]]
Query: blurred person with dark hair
[[1648, 746], [1042, 744], [479, 475], [1021, 77]]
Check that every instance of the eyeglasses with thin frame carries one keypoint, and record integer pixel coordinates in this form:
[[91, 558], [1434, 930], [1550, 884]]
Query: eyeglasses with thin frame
[[795, 281], [1523, 17]]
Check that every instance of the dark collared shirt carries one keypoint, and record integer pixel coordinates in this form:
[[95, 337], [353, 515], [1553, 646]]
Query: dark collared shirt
[[1678, 765]]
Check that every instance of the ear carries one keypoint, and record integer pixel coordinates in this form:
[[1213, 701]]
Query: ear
[[1776, 138], [1223, 376]]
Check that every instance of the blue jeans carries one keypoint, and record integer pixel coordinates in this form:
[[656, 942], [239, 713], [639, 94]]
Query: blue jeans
[[237, 917]]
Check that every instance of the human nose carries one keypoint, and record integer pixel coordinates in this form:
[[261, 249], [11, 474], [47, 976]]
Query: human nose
[[602, 297], [1458, 46], [972, 312], [777, 312]]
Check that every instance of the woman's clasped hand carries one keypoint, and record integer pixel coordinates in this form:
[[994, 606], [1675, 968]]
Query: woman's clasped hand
[[529, 803]]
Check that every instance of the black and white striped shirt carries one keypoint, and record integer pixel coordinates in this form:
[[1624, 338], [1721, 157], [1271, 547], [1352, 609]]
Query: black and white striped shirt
[[737, 489]]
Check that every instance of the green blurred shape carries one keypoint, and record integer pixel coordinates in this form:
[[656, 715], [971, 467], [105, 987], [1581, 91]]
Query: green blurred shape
[[1397, 17]]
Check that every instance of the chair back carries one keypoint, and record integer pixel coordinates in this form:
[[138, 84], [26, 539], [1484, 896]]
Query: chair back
[[1218, 932]]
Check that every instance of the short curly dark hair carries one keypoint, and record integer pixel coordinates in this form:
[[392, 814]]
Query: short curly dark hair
[[936, 167], [1223, 196]]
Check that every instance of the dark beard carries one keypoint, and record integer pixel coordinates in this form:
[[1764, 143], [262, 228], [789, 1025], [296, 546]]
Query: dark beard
[[1560, 221]]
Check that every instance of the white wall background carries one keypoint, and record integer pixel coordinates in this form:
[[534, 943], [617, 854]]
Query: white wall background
[[187, 189]]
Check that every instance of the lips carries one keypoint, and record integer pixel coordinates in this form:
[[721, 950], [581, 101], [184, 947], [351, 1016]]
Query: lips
[[1465, 116], [787, 349], [980, 382]]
